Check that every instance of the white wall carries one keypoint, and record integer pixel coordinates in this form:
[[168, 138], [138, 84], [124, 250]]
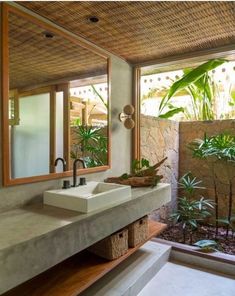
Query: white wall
[[121, 94]]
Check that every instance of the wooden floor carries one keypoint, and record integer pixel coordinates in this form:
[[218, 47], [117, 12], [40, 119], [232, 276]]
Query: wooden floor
[[74, 275]]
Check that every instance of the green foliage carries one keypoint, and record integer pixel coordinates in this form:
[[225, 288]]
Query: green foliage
[[76, 121], [189, 184], [232, 95], [141, 168], [99, 96], [207, 245], [172, 112], [186, 213], [228, 222], [221, 146], [139, 165], [92, 143], [198, 83], [191, 211], [125, 176], [194, 75]]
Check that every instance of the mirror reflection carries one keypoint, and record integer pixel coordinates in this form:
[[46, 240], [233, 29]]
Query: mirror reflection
[[58, 101], [89, 121]]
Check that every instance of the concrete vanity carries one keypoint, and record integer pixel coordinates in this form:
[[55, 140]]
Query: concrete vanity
[[35, 238]]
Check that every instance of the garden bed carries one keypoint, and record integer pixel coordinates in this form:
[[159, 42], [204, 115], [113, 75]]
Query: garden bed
[[225, 244]]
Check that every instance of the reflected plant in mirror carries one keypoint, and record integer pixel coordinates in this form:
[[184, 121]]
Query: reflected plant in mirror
[[88, 123], [90, 145]]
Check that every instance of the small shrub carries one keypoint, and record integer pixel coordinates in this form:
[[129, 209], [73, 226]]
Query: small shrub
[[220, 148], [206, 245], [190, 211]]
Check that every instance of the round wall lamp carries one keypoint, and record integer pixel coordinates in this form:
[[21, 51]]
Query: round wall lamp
[[126, 116]]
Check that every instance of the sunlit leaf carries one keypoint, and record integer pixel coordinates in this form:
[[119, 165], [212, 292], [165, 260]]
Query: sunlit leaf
[[171, 113]]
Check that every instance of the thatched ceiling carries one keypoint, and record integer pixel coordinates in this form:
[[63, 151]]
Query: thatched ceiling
[[145, 30], [36, 60]]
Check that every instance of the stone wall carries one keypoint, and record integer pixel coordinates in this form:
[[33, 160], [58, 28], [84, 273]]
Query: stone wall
[[160, 138], [196, 129]]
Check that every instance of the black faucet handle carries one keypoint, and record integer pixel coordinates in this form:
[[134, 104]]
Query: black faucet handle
[[66, 184], [82, 181]]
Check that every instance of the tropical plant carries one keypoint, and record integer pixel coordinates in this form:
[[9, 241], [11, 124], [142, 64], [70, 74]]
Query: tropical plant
[[228, 223], [76, 122], [221, 146], [201, 88], [138, 165], [99, 96], [91, 145], [189, 184], [190, 211], [218, 148], [207, 245]]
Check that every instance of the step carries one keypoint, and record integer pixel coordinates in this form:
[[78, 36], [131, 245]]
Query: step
[[178, 279], [129, 278], [226, 268]]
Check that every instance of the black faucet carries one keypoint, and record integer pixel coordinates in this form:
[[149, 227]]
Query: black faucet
[[75, 170], [63, 162]]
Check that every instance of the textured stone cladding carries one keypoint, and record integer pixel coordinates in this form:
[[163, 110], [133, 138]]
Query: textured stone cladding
[[160, 138], [196, 129]]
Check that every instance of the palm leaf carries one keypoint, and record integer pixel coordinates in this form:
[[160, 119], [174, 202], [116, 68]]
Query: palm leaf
[[194, 75], [171, 112], [198, 84], [99, 96]]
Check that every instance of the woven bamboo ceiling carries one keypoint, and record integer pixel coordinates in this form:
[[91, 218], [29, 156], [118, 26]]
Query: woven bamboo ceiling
[[37, 60], [145, 30]]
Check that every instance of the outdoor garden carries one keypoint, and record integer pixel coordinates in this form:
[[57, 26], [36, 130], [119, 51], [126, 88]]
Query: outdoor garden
[[199, 102]]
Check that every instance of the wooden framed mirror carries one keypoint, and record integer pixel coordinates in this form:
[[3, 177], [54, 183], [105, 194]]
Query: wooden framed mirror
[[55, 101]]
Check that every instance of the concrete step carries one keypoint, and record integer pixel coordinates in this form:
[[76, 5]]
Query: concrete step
[[178, 279], [227, 268], [129, 278]]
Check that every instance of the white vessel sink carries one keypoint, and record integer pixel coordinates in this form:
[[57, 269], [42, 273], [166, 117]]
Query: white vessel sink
[[87, 198]]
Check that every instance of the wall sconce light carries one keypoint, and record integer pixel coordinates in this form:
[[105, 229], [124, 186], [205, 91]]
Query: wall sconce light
[[126, 116]]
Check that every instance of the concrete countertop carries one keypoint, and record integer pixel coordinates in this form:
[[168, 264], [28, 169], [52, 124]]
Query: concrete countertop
[[35, 238]]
